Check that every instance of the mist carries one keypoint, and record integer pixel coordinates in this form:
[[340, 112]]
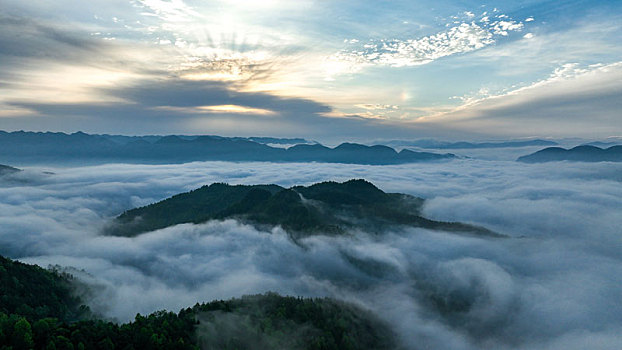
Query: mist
[[555, 283]]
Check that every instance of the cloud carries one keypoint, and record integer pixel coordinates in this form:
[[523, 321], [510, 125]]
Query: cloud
[[33, 45], [461, 38], [47, 61], [26, 38], [55, 58], [174, 11], [188, 93], [574, 99], [192, 106], [554, 284], [175, 102]]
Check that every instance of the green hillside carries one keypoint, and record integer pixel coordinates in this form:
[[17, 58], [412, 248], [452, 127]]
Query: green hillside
[[38, 311], [324, 208]]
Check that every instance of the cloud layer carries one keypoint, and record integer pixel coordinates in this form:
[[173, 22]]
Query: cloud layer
[[554, 285], [574, 99], [460, 38]]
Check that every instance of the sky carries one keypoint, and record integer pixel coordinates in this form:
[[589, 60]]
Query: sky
[[317, 69]]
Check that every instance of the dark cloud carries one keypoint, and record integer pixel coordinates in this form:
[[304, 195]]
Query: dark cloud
[[189, 93], [155, 103], [25, 38], [586, 102], [170, 105], [554, 285], [31, 47], [581, 106]]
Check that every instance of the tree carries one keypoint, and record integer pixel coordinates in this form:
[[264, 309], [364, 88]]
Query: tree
[[22, 335], [41, 331]]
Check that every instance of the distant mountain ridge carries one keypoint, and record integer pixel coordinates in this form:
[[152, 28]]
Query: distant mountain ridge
[[323, 208], [583, 153], [435, 144], [121, 139], [29, 147]]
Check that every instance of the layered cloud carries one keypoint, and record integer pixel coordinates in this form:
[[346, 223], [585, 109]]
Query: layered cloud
[[460, 38], [343, 56], [191, 106], [555, 284], [573, 99]]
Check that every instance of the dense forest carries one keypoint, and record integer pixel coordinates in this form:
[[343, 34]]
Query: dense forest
[[323, 208], [38, 310]]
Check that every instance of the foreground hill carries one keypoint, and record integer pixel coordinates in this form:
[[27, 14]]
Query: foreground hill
[[584, 153], [30, 147], [323, 208], [37, 293], [37, 312]]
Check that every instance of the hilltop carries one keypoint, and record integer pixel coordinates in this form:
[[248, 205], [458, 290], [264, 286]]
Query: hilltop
[[324, 208]]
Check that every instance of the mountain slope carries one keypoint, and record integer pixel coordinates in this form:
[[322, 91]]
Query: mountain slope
[[36, 293], [324, 208], [584, 153], [35, 307]]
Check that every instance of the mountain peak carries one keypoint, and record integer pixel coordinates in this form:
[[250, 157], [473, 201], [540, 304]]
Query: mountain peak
[[323, 208]]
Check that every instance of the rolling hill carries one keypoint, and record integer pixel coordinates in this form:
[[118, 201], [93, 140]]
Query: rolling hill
[[324, 208]]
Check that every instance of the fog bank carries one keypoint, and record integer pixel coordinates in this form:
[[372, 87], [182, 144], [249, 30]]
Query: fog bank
[[555, 284]]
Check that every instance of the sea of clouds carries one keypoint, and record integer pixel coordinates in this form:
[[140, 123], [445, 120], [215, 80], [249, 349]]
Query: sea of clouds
[[556, 283]]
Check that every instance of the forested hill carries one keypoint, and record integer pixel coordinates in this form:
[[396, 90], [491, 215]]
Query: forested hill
[[324, 208], [35, 293], [37, 311], [34, 147]]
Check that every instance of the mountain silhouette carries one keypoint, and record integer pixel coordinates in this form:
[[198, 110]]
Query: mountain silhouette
[[436, 144], [33, 147], [584, 153]]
